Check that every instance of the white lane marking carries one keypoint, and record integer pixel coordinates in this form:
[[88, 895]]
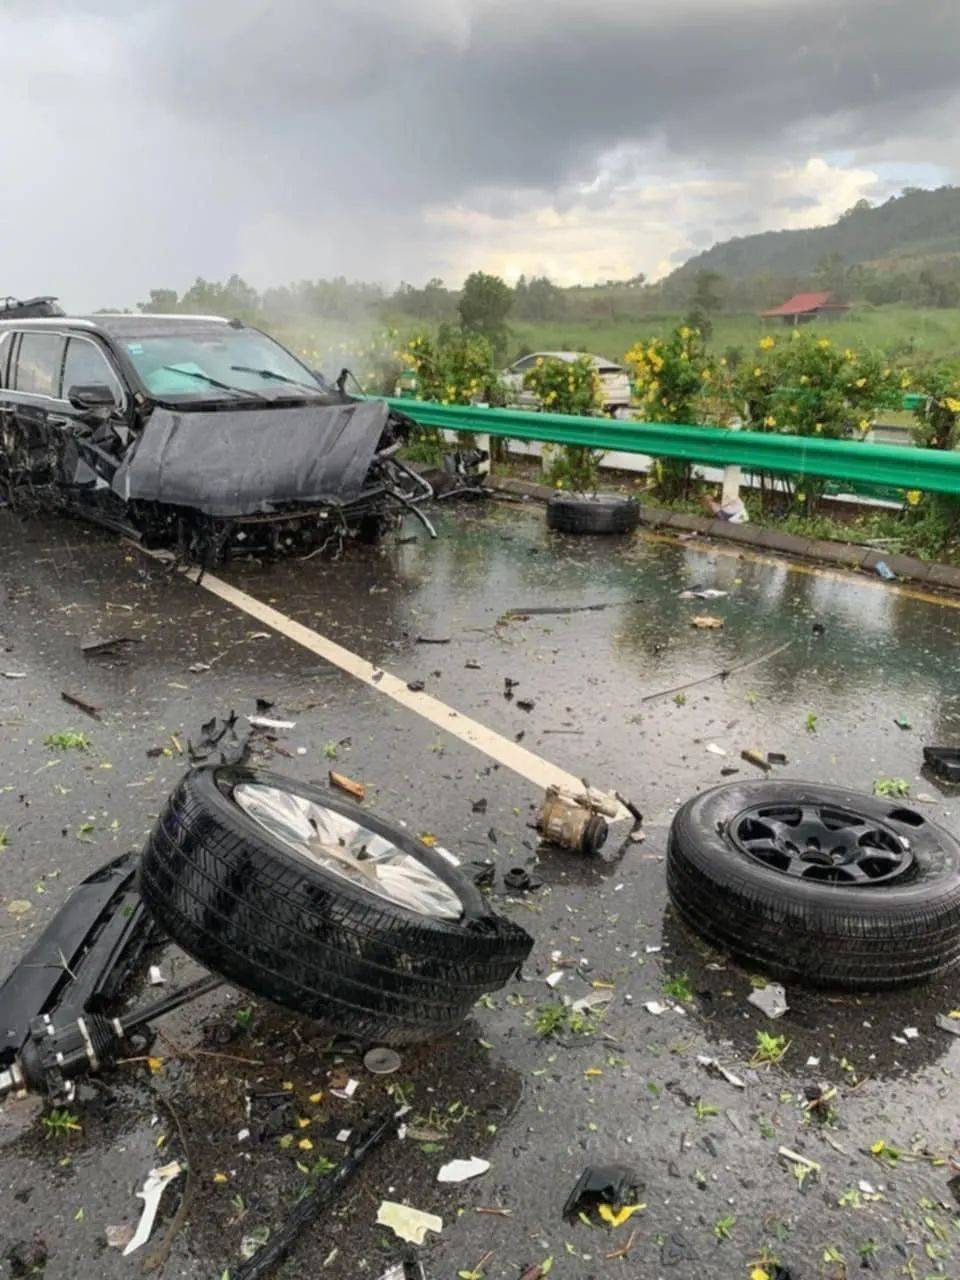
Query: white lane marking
[[509, 754]]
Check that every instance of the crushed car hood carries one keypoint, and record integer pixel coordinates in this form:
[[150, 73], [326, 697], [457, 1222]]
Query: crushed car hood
[[239, 462]]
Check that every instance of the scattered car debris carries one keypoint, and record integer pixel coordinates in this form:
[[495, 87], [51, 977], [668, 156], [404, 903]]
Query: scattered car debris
[[526, 704], [954, 1185], [742, 857], [416, 686], [575, 822], [463, 1170], [613, 1185], [902, 722], [715, 750], [794, 1157], [950, 1025], [715, 1068], [406, 1222], [309, 1206], [13, 675], [771, 1000], [883, 570], [657, 1007], [409, 1268], [943, 762], [118, 1237], [706, 622], [433, 639], [702, 593], [151, 1194], [595, 1000], [753, 756], [221, 738], [519, 880], [264, 722], [776, 757], [340, 780], [109, 645], [382, 1061], [82, 705]]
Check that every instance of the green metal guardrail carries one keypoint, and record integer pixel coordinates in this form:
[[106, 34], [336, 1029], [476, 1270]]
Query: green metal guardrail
[[930, 470]]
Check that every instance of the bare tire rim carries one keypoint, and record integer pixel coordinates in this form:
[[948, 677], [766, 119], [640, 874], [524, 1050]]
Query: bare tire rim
[[826, 844], [347, 850]]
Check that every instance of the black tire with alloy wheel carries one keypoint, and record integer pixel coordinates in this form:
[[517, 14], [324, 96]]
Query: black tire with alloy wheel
[[818, 884], [323, 907], [592, 513]]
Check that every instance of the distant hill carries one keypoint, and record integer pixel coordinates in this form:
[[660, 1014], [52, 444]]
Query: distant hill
[[899, 234]]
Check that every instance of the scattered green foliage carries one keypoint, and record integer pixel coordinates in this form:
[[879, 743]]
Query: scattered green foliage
[[60, 1123], [680, 699], [67, 740], [4, 838], [704, 1110], [811, 722], [770, 1049], [330, 750], [679, 988], [891, 787], [555, 1018], [724, 1226], [244, 1017]]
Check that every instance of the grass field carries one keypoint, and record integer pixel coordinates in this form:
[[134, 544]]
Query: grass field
[[367, 347]]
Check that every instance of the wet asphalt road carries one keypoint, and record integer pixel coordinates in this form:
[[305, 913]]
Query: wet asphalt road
[[538, 1110]]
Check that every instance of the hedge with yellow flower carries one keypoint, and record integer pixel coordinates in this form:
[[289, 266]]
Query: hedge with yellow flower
[[572, 387]]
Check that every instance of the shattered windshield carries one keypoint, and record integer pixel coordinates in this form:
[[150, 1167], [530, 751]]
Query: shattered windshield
[[218, 362]]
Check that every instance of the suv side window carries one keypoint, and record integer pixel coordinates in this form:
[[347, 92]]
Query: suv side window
[[38, 364], [6, 342], [86, 365]]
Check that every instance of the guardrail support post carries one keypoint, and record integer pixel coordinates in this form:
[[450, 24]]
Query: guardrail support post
[[731, 484], [483, 442]]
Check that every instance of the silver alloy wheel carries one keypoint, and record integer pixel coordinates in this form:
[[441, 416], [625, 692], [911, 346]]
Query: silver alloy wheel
[[348, 850]]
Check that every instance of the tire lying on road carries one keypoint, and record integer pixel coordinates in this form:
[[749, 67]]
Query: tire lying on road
[[592, 513], [323, 907], [817, 883]]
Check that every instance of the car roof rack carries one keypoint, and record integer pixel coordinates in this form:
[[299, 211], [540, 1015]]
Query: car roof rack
[[25, 308]]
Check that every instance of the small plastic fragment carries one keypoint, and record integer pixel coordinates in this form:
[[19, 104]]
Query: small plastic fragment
[[771, 1000], [463, 1170], [407, 1223], [884, 571], [150, 1194], [706, 622], [264, 722], [612, 1184], [951, 1025]]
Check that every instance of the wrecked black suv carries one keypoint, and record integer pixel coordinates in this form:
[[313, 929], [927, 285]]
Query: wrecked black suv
[[195, 433]]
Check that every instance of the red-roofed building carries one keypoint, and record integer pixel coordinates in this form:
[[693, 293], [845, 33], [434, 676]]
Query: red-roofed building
[[804, 307]]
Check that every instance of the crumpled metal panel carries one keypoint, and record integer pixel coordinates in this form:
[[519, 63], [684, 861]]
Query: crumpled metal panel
[[245, 461]]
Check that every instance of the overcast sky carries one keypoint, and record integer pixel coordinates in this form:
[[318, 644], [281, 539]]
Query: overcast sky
[[147, 143]]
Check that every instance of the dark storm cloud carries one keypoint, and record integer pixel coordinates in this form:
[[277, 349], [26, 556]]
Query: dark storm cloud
[[185, 129]]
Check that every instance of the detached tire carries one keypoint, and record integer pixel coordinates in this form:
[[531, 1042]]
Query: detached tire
[[818, 884], [296, 924], [592, 513]]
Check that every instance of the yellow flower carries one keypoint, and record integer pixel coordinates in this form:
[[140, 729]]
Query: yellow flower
[[758, 372], [952, 405], [770, 421], [849, 355], [823, 343], [758, 1273], [801, 497], [818, 428], [767, 343], [305, 1144], [723, 360], [706, 375], [860, 382], [864, 424], [905, 381], [914, 496]]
